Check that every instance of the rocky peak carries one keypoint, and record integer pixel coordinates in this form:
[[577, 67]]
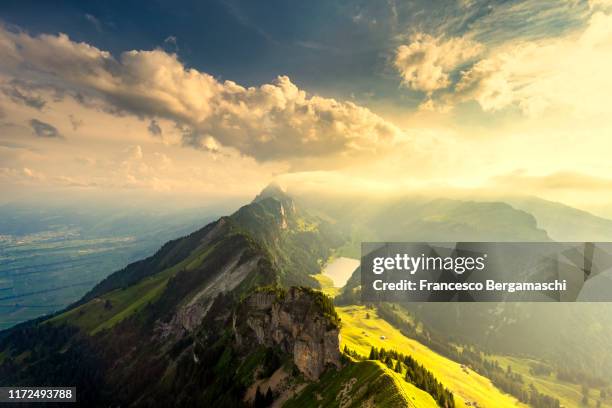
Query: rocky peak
[[301, 321], [272, 190], [279, 203], [275, 191]]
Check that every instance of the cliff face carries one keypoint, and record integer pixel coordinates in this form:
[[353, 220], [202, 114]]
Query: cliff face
[[296, 322]]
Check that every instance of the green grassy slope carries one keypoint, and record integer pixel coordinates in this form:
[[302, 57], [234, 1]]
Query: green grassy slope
[[360, 333], [570, 395], [110, 308], [362, 384]]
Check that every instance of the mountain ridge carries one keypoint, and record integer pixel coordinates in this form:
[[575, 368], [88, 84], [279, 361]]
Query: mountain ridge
[[179, 311], [206, 315]]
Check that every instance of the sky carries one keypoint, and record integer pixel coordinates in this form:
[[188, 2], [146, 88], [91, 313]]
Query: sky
[[217, 98]]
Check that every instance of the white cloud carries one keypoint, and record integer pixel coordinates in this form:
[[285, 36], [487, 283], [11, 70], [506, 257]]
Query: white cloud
[[600, 4], [569, 74], [275, 121], [426, 62]]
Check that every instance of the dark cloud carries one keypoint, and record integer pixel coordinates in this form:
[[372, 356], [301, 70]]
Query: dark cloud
[[23, 93], [154, 128], [42, 129], [273, 122]]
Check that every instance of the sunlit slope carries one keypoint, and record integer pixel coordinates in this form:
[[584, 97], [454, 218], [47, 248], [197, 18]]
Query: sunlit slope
[[360, 333], [111, 308], [201, 268], [570, 395], [362, 384], [108, 309]]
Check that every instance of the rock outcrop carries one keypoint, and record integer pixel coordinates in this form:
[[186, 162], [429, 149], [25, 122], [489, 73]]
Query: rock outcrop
[[283, 203], [296, 321]]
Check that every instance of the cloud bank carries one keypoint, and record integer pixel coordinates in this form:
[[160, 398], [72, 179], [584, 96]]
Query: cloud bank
[[276, 121], [563, 180], [567, 73], [426, 62]]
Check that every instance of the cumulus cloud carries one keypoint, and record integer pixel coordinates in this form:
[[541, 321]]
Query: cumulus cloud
[[276, 121], [43, 129], [557, 64], [21, 92], [570, 73], [425, 64]]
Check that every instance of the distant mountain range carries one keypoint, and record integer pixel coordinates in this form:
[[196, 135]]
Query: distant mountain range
[[555, 331], [564, 223]]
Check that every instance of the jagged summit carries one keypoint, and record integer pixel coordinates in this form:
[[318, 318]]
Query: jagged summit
[[283, 204], [273, 190]]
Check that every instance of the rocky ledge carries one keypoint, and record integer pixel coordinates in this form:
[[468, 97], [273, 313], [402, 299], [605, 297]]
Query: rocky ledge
[[300, 321]]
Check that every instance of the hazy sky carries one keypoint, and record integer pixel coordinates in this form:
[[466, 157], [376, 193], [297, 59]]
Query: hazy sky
[[217, 98]]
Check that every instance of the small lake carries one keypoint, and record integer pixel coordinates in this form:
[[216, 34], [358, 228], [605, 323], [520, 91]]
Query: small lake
[[340, 270]]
